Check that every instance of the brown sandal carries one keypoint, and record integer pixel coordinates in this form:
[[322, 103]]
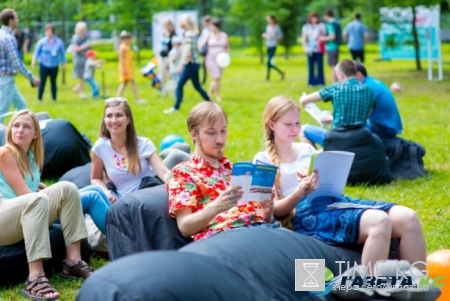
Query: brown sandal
[[38, 288], [76, 271]]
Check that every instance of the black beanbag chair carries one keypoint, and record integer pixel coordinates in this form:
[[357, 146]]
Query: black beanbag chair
[[64, 148], [140, 222], [247, 264], [14, 263], [80, 176], [370, 165]]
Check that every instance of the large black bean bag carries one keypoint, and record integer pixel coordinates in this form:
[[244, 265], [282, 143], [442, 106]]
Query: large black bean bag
[[140, 222], [14, 264], [248, 264], [80, 176], [370, 165], [64, 148]]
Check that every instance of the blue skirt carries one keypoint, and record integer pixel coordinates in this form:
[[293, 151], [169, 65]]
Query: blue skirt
[[340, 226]]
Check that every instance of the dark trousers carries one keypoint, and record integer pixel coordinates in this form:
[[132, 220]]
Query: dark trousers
[[270, 55], [315, 77], [190, 71], [358, 54], [43, 73]]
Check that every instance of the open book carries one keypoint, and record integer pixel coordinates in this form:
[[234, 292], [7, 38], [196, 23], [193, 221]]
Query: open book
[[315, 112], [334, 168], [256, 180]]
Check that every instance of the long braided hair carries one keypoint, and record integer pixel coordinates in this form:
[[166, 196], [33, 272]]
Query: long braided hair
[[277, 107]]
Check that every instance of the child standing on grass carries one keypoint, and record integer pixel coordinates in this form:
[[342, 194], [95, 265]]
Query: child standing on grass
[[174, 62], [89, 69], [126, 66]]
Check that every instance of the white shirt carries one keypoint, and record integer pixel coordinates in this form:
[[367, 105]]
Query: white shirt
[[288, 171], [116, 164]]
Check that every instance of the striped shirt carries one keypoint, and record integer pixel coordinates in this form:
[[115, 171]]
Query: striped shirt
[[190, 52], [10, 61], [352, 101]]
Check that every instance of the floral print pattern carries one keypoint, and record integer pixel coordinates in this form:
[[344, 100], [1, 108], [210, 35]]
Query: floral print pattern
[[121, 163], [195, 184]]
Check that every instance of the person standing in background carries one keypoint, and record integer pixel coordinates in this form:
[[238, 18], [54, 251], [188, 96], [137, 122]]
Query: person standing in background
[[332, 39], [272, 35], [311, 32], [202, 40], [28, 40], [20, 39], [50, 52], [80, 45], [217, 43], [163, 63], [189, 63], [10, 63], [356, 35], [126, 72]]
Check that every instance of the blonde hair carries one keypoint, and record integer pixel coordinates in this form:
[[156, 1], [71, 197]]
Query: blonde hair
[[189, 22], [276, 108], [204, 111], [36, 146], [79, 26], [131, 142]]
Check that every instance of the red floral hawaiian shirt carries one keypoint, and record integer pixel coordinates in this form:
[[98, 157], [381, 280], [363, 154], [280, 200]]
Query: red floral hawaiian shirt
[[195, 184]]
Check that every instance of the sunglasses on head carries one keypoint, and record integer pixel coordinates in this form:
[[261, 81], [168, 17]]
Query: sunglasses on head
[[114, 99]]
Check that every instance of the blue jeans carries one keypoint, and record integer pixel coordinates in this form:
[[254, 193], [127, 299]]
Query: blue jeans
[[381, 131], [9, 95], [314, 133], [94, 202], [190, 71], [270, 55], [315, 77], [94, 87]]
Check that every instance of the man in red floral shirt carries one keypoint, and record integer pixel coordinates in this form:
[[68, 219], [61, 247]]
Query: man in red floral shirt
[[200, 196]]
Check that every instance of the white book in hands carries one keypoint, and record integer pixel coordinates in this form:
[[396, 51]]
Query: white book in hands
[[315, 112], [256, 180], [333, 168]]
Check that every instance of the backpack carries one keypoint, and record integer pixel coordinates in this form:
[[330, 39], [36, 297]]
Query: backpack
[[337, 32], [405, 158], [370, 165]]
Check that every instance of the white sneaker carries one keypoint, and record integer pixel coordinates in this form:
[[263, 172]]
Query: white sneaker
[[171, 110], [141, 101], [82, 95]]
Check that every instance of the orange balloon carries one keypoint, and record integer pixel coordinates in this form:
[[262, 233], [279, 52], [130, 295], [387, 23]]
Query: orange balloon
[[438, 264]]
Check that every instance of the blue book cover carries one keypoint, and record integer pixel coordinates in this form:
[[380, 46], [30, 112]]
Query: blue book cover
[[256, 180]]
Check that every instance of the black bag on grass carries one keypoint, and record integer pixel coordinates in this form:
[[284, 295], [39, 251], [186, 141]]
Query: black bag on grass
[[405, 158], [370, 165]]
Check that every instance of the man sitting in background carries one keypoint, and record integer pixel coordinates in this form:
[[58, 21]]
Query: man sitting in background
[[352, 103], [384, 120]]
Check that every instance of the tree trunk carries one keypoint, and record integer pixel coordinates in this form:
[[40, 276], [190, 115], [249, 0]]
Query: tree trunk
[[416, 39], [261, 53], [244, 36], [286, 51]]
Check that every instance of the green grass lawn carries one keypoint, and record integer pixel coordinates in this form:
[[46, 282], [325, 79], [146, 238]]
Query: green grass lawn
[[424, 107]]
